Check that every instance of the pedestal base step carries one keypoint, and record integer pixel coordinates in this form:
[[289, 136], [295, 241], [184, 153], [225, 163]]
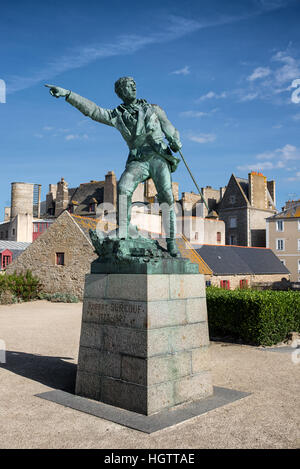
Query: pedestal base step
[[144, 423]]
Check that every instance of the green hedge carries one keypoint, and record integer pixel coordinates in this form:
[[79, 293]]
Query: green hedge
[[255, 317]]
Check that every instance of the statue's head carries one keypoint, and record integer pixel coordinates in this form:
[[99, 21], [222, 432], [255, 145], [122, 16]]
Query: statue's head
[[125, 88]]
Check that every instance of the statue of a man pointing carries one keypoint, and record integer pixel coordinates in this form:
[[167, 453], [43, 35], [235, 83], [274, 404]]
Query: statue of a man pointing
[[144, 127]]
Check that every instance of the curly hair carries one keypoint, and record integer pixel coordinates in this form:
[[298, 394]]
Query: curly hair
[[120, 83]]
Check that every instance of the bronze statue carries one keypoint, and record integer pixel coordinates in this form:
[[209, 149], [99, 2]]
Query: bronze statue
[[143, 126]]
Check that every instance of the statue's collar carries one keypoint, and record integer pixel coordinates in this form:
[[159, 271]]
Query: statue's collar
[[133, 107]]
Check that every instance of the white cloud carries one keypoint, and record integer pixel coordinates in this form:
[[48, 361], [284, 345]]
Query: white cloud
[[256, 166], [174, 28], [212, 95], [182, 71], [294, 178], [248, 97], [259, 72], [48, 128], [280, 158], [196, 113], [288, 71], [202, 138], [76, 137]]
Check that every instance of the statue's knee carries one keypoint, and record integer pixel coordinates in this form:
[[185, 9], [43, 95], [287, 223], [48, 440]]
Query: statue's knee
[[166, 197], [123, 189]]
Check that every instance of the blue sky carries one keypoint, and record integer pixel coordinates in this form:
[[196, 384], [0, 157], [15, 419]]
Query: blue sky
[[223, 72]]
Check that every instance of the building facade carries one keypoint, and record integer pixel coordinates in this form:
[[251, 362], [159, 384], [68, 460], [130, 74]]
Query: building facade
[[283, 237], [244, 208]]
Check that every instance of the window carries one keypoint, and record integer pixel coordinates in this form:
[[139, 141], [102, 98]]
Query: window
[[6, 260], [196, 235], [92, 207], [232, 222], [243, 283], [282, 261], [218, 236], [60, 258], [225, 284], [13, 232], [6, 234], [232, 199], [298, 266], [298, 244], [208, 283], [279, 225], [280, 244], [298, 225], [35, 227]]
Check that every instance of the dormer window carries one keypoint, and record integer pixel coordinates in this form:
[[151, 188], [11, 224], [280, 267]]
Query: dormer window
[[92, 207]]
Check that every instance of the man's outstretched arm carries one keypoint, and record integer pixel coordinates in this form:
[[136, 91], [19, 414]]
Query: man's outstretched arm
[[87, 107]]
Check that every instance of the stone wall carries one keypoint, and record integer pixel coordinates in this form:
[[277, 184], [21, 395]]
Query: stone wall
[[63, 236], [234, 280]]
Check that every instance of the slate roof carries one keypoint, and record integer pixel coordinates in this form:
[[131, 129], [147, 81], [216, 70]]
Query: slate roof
[[13, 245], [244, 185], [234, 260], [84, 194], [291, 212]]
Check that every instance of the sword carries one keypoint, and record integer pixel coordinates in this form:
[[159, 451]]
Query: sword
[[200, 192]]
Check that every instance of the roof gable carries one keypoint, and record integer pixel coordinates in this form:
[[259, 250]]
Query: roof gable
[[238, 188]]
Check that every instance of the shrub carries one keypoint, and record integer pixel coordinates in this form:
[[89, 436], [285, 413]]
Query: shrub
[[59, 297], [255, 317], [23, 287], [7, 298]]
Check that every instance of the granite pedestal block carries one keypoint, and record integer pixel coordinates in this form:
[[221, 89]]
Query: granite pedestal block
[[144, 342]]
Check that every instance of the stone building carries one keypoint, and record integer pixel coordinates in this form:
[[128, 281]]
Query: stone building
[[18, 218], [26, 221], [283, 237], [244, 208], [241, 267], [243, 205], [60, 257]]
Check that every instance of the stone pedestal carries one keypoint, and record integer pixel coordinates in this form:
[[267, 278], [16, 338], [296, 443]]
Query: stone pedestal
[[144, 341]]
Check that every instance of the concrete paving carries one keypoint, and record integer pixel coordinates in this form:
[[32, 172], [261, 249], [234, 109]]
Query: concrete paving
[[42, 342]]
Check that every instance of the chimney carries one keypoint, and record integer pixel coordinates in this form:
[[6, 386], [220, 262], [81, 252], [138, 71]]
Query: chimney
[[110, 189], [62, 197], [7, 213], [258, 190]]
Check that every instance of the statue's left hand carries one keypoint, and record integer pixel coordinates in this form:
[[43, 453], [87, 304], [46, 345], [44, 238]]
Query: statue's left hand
[[57, 91], [175, 146]]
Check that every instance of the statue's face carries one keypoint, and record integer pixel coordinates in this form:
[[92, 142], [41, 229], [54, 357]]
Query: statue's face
[[129, 91]]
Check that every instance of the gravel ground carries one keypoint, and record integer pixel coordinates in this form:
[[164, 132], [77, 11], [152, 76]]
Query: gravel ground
[[42, 341]]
